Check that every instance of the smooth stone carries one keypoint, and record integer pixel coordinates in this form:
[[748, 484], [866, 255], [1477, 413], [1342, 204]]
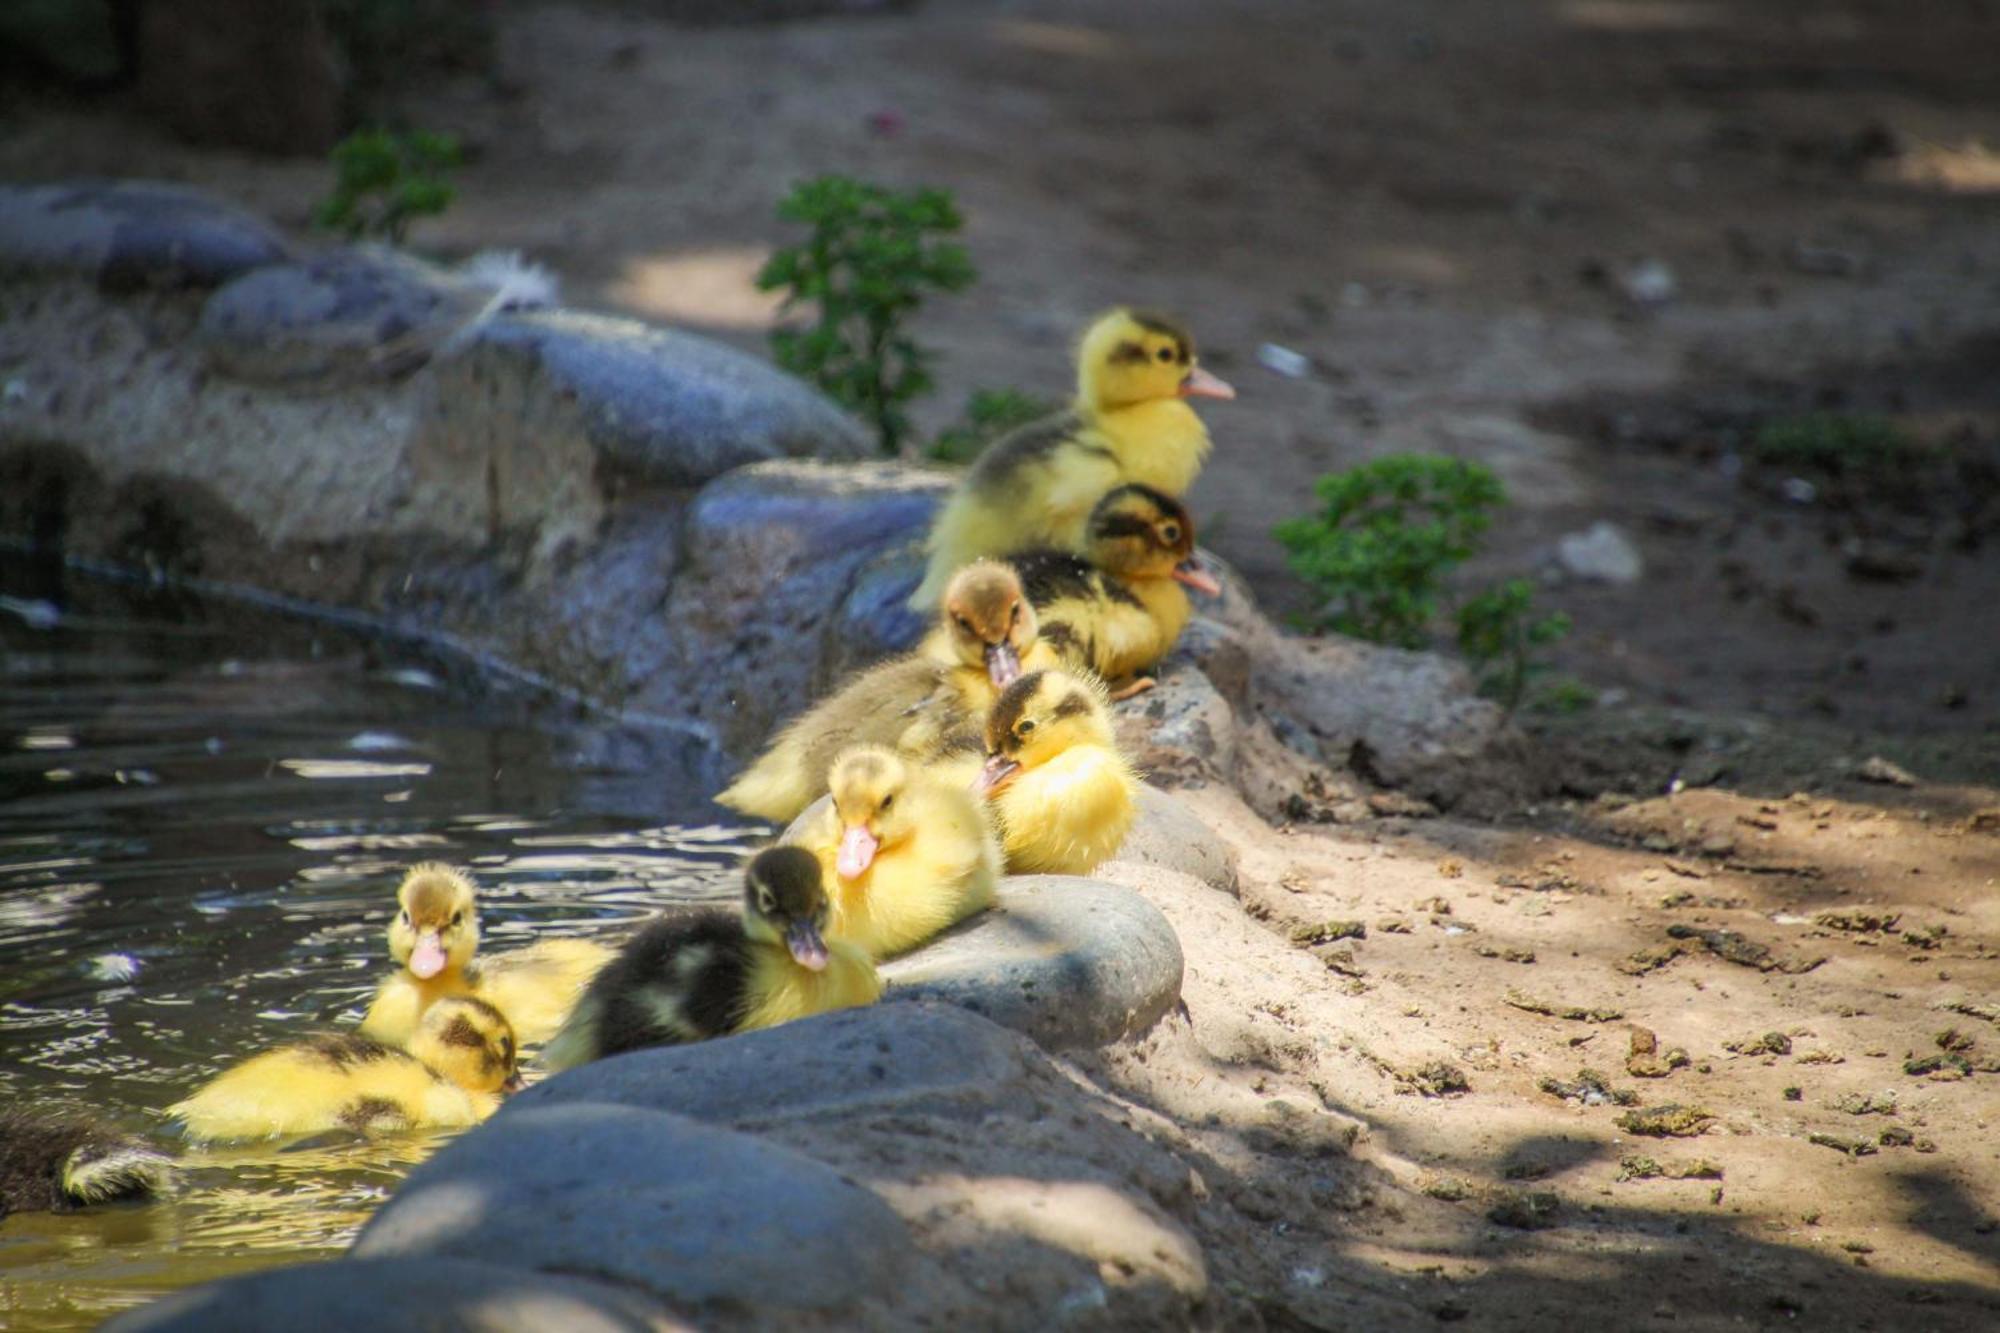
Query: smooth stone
[[1067, 961], [667, 407], [690, 1212], [127, 235], [1601, 553], [883, 1055], [428, 1295], [1169, 835]]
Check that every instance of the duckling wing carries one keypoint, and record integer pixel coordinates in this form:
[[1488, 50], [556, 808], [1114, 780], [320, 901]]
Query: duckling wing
[[683, 978]]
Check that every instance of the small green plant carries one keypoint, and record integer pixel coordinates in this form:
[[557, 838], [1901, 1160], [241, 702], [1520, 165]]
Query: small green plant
[[1499, 632], [989, 414], [1564, 695], [871, 257], [1832, 443], [1384, 538], [385, 179]]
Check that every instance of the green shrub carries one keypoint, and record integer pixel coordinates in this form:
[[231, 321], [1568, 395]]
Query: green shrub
[[385, 179], [989, 414], [1829, 442], [1498, 632], [1384, 538], [871, 257]]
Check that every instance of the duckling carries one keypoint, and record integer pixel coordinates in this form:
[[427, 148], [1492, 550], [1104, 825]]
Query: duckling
[[460, 1061], [1119, 610], [919, 704], [699, 975], [55, 1161], [909, 851], [1064, 796], [1130, 422], [433, 937]]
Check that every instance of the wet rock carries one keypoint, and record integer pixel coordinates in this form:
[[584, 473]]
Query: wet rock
[[429, 1295], [1068, 961], [1601, 553], [872, 1059], [128, 235], [666, 407], [1170, 835], [694, 1214]]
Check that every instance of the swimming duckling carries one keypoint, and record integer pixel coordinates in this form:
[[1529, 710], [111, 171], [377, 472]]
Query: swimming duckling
[[699, 975], [1130, 423], [1118, 610], [918, 704], [1064, 795], [907, 849], [460, 1060], [433, 937], [55, 1161]]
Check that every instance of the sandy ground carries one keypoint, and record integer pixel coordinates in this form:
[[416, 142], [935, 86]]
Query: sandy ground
[[1441, 207]]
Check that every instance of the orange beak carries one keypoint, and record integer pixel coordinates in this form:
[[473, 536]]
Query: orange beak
[[1194, 576], [1200, 384]]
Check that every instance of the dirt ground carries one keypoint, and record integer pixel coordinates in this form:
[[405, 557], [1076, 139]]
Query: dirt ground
[[1466, 219]]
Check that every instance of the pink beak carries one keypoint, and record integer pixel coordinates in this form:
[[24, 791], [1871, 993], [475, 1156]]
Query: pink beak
[[1003, 664], [427, 959], [998, 772], [857, 852], [1200, 384], [1194, 576]]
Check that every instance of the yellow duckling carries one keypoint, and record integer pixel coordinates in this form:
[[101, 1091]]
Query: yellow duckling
[[55, 1161], [917, 704], [908, 850], [700, 975], [433, 937], [1064, 796], [460, 1060], [1119, 610], [1130, 423]]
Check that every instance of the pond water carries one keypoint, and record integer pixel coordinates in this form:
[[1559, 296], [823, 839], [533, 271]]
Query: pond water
[[204, 810]]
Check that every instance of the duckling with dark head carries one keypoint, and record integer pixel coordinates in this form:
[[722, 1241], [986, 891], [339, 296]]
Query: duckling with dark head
[[1063, 795], [699, 975], [1130, 422], [60, 1160]]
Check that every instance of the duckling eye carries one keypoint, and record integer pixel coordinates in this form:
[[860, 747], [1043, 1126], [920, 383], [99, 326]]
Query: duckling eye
[[457, 917], [1026, 725], [405, 914], [962, 623], [1165, 354], [1171, 533], [887, 801]]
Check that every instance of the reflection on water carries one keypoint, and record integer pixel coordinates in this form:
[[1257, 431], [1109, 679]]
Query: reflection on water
[[203, 814]]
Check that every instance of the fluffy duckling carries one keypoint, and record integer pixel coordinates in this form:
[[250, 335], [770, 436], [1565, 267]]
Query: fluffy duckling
[[55, 1161], [433, 937], [908, 850], [1119, 610], [1130, 423], [699, 975], [460, 1060], [918, 704], [1064, 795]]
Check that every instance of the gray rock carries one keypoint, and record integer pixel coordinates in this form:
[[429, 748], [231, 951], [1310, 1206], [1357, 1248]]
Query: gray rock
[[351, 314], [856, 1059], [428, 1295], [689, 1212], [1068, 961], [1181, 731], [1601, 553], [667, 407], [128, 235], [1168, 834]]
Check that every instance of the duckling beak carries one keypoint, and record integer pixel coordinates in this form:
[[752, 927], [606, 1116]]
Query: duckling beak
[[1003, 664], [808, 949], [999, 771], [512, 1084], [857, 851], [427, 959], [1194, 576], [1200, 384]]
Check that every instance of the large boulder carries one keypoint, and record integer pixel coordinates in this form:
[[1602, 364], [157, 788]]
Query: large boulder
[[695, 1214], [123, 236], [427, 1295]]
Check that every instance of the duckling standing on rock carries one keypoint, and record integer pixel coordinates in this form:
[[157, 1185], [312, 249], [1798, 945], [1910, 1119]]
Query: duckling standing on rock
[[1130, 423], [1119, 610], [433, 938], [918, 704], [700, 975], [459, 1062], [908, 850], [55, 1161], [1064, 796]]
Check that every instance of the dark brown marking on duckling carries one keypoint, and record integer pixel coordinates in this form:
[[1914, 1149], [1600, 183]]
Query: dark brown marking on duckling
[[373, 1115], [1073, 706], [344, 1050]]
